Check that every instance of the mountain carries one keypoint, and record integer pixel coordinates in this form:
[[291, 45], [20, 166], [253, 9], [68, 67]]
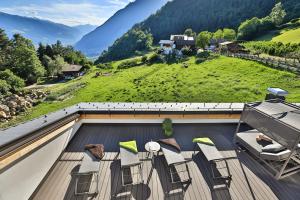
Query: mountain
[[178, 15], [84, 29], [200, 15], [98, 40], [42, 30]]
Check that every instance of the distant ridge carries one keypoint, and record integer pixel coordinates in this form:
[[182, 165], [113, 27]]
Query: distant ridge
[[98, 40], [39, 30]]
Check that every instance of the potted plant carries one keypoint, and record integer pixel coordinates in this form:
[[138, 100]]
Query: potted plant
[[167, 127]]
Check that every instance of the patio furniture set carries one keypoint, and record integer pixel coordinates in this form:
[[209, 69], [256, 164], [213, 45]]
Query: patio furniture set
[[274, 140]]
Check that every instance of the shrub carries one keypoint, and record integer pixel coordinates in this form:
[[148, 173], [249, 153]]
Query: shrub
[[272, 48], [205, 55], [155, 58], [4, 87], [87, 66], [187, 51], [128, 64], [104, 66], [167, 127], [15, 82], [144, 59], [64, 93]]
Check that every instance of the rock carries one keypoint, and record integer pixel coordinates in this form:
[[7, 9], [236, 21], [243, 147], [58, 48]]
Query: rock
[[20, 101], [12, 104], [12, 113], [28, 104], [4, 108], [3, 115]]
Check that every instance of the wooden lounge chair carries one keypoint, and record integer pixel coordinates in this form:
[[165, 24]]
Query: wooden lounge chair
[[174, 158], [87, 177], [129, 159], [213, 156]]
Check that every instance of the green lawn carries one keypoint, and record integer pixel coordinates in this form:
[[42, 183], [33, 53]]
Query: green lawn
[[289, 36], [220, 80]]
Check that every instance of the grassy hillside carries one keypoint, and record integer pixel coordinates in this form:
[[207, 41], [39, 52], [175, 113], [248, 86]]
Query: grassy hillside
[[219, 80], [289, 36]]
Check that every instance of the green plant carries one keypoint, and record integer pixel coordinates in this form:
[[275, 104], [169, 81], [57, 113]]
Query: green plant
[[144, 59], [155, 58], [104, 66], [168, 128], [128, 64]]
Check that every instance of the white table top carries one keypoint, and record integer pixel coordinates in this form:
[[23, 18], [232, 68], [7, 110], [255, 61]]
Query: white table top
[[152, 146]]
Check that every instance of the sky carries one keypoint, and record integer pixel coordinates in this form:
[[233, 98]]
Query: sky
[[68, 12]]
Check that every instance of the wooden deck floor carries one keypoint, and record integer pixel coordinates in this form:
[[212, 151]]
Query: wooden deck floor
[[249, 179]]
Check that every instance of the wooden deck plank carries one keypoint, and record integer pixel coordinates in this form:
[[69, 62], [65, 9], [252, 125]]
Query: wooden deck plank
[[249, 181]]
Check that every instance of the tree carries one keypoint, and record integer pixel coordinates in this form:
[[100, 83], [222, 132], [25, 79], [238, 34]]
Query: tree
[[229, 34], [41, 51], [248, 29], [278, 13], [189, 32], [218, 35], [130, 44], [203, 39], [15, 82], [58, 48], [55, 66], [4, 43], [24, 61]]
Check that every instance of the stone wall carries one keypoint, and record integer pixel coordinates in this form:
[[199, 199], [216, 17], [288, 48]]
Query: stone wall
[[14, 104]]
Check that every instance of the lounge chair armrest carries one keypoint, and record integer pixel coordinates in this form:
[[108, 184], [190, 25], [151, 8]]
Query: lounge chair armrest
[[135, 164], [83, 174], [183, 162]]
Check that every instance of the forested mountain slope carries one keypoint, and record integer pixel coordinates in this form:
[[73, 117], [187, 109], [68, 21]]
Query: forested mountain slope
[[98, 40], [178, 15]]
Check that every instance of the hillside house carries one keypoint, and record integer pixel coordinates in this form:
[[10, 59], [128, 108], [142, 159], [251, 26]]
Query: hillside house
[[177, 42], [72, 71], [167, 46], [232, 47], [181, 41]]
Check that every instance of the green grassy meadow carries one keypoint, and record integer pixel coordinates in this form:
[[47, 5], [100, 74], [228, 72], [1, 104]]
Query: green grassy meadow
[[289, 36], [220, 80]]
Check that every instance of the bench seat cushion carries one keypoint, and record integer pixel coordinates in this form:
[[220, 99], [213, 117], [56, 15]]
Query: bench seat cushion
[[248, 140]]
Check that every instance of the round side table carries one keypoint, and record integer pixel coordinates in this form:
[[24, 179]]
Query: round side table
[[152, 148]]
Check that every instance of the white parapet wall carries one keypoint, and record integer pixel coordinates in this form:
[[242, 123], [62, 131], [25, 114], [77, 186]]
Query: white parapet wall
[[19, 181], [157, 121]]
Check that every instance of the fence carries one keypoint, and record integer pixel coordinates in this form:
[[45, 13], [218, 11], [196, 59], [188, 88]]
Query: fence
[[277, 63]]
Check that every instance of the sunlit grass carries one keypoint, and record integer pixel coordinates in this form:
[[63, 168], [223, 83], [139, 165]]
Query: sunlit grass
[[220, 80]]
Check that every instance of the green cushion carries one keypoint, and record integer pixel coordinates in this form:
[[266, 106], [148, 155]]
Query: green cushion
[[203, 141], [129, 145]]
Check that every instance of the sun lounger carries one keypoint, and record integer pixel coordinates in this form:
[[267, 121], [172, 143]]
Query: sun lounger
[[174, 158], [129, 159], [213, 156], [88, 172]]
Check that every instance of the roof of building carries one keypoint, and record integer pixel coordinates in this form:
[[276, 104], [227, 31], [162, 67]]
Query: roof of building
[[166, 42], [71, 68], [184, 37], [226, 43]]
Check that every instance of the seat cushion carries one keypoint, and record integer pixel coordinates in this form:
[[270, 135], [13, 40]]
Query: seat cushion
[[204, 140], [248, 140], [273, 148]]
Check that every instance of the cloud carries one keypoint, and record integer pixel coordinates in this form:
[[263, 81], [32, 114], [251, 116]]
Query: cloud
[[70, 13]]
